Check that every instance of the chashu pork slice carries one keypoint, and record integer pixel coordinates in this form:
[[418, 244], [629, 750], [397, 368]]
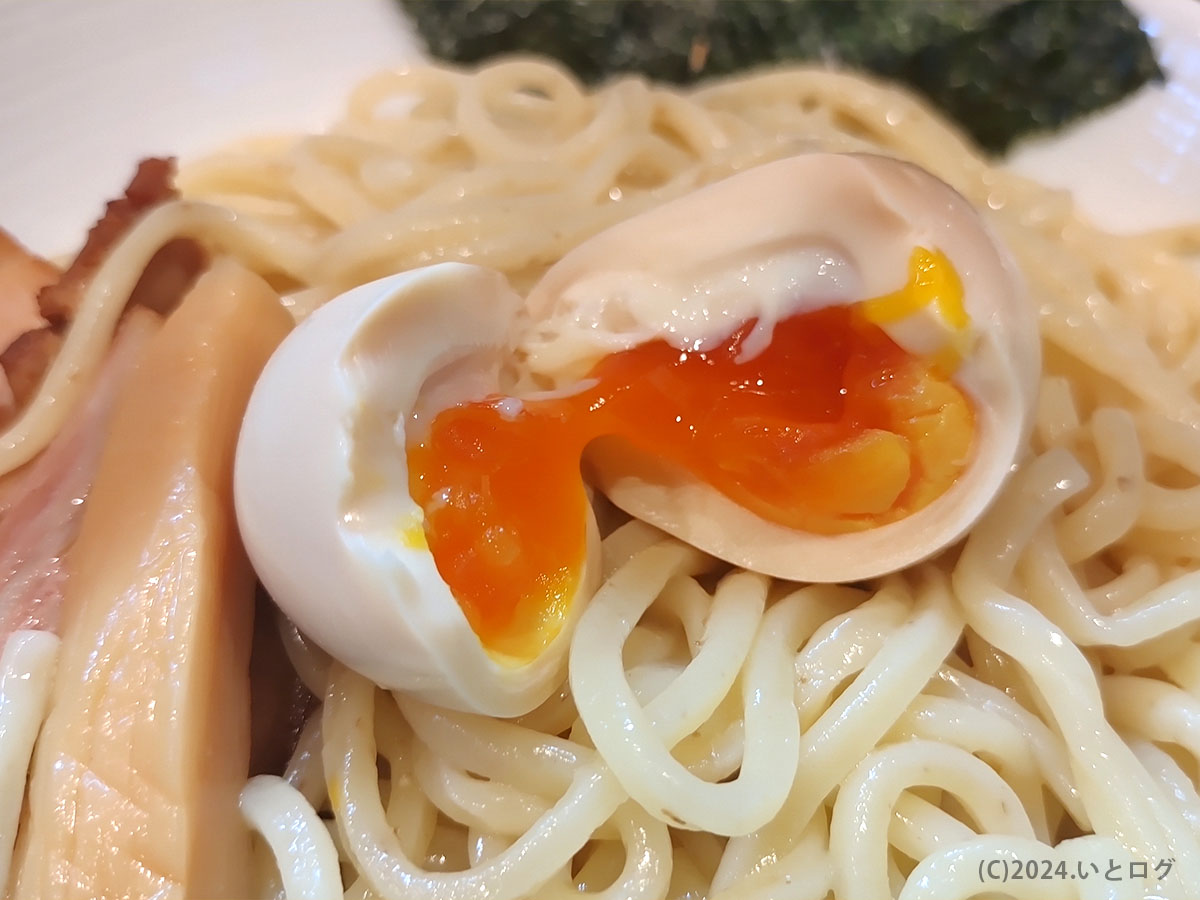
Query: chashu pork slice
[[22, 276], [40, 510]]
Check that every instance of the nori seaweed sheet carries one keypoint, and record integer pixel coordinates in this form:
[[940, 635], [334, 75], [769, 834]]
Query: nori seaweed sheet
[[1000, 68]]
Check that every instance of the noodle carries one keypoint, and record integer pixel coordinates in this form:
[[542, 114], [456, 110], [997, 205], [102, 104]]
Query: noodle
[[26, 675], [723, 735], [282, 815]]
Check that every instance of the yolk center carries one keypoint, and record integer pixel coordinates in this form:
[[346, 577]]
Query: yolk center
[[832, 428]]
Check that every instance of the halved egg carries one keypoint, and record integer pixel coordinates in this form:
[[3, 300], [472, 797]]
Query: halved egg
[[826, 365], [322, 490], [821, 369]]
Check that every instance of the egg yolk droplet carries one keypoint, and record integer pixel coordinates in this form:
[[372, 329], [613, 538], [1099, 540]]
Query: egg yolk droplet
[[832, 428]]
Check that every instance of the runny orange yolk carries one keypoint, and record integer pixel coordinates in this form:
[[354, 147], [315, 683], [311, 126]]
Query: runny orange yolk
[[832, 428]]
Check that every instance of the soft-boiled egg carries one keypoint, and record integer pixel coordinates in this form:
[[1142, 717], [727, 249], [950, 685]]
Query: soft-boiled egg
[[321, 486], [886, 362], [821, 369]]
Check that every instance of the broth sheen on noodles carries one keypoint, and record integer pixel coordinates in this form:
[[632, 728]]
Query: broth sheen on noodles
[[1031, 695]]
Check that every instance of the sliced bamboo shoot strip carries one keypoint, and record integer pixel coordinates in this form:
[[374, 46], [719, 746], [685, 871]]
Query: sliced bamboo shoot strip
[[137, 772]]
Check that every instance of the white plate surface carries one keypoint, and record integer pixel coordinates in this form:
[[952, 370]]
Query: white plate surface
[[88, 88]]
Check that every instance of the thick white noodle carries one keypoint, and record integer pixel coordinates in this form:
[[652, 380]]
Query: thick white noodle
[[27, 666], [307, 860]]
